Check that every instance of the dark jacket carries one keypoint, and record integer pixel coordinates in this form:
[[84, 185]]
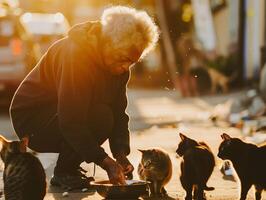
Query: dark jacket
[[68, 81]]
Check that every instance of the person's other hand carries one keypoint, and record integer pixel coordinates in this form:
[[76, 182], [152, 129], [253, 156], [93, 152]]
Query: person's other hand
[[114, 171], [126, 165]]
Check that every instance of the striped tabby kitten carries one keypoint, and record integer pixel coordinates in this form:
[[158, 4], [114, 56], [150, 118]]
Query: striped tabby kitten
[[24, 176], [155, 167]]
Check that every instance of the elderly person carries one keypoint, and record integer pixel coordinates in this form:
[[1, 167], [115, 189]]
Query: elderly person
[[75, 97]]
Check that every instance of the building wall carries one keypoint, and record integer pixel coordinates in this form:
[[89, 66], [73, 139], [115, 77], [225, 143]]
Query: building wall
[[226, 28], [221, 19], [255, 21], [262, 22]]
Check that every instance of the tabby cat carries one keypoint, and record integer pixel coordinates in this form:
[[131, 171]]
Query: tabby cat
[[249, 162], [24, 176], [155, 167], [196, 167]]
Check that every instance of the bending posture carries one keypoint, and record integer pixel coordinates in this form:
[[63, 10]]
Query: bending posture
[[75, 97]]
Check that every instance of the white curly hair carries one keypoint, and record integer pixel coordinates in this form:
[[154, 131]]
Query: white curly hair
[[127, 26]]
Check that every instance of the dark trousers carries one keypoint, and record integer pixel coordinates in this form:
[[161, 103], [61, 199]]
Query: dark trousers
[[48, 137]]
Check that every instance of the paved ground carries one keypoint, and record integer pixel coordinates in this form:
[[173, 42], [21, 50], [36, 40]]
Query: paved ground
[[156, 119]]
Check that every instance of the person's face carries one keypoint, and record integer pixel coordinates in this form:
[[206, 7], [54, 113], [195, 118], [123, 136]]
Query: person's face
[[120, 61]]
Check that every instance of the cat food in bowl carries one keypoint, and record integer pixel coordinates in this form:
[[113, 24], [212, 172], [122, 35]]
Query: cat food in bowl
[[132, 190]]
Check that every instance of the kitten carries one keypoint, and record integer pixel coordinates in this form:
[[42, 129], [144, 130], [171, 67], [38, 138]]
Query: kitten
[[155, 167], [24, 176], [196, 167], [249, 162]]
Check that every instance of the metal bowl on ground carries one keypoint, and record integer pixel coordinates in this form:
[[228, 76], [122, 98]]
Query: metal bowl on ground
[[132, 190]]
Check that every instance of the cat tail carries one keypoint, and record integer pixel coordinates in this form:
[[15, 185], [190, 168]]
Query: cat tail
[[208, 188]]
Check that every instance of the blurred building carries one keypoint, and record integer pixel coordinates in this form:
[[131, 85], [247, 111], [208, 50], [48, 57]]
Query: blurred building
[[243, 22], [254, 37], [235, 23], [49, 6], [219, 25]]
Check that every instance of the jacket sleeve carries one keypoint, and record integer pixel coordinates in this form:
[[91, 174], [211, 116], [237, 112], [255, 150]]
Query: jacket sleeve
[[74, 101], [119, 140]]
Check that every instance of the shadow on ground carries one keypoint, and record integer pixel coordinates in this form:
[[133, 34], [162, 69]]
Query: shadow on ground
[[58, 193], [159, 198]]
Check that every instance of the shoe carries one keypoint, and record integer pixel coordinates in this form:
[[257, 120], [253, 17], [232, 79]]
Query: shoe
[[72, 181]]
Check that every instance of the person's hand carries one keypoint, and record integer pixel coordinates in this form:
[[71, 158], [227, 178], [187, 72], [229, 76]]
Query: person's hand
[[114, 171], [126, 165]]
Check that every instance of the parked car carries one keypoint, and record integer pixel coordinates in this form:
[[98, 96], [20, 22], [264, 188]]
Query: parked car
[[45, 28], [18, 53]]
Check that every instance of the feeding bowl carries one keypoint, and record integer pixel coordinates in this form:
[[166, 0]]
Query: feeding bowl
[[132, 190]]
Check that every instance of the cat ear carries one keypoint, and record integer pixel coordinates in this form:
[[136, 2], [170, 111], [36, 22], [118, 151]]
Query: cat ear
[[142, 151], [225, 136], [24, 143], [182, 136], [3, 140]]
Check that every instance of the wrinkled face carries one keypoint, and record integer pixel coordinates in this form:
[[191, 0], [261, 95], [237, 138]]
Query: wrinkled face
[[119, 61], [228, 149]]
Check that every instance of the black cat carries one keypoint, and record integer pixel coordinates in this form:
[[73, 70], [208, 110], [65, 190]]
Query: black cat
[[196, 167], [249, 162], [24, 176]]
